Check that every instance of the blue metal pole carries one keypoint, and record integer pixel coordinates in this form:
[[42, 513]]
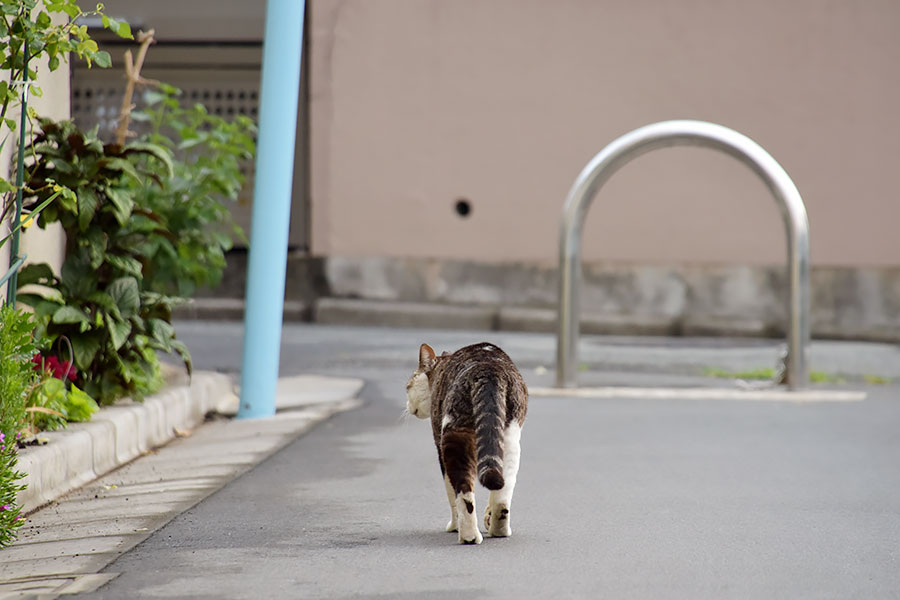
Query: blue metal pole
[[271, 206]]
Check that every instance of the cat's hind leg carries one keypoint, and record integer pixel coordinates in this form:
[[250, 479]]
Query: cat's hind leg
[[451, 497], [497, 514], [458, 452]]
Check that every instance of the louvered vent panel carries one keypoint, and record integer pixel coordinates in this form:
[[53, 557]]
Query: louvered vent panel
[[224, 90]]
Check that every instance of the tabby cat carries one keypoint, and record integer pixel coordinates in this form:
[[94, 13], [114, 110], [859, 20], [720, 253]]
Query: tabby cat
[[477, 400]]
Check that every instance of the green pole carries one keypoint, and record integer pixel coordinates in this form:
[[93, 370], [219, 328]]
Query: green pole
[[12, 286]]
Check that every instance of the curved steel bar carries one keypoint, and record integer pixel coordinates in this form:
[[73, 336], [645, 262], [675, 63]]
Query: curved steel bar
[[683, 133]]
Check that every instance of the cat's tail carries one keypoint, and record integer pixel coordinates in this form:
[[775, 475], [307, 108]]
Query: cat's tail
[[490, 415]]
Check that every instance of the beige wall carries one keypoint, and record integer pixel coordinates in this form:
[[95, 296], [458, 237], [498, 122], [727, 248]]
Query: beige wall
[[40, 245], [417, 103], [192, 20], [48, 245]]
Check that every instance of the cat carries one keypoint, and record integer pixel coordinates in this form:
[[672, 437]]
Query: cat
[[477, 400]]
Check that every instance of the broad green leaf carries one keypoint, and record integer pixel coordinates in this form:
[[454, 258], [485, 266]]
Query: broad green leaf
[[79, 405], [69, 314], [66, 198], [71, 9], [78, 278], [102, 58], [162, 332], [85, 348], [123, 203], [96, 241], [124, 292], [126, 264], [155, 150], [118, 331], [40, 273], [43, 307], [124, 31], [31, 300], [106, 302], [87, 206], [182, 350], [123, 166]]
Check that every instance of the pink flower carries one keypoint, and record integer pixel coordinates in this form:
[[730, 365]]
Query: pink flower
[[55, 367], [6, 507]]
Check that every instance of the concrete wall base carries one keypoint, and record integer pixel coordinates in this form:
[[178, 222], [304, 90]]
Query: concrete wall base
[[847, 303]]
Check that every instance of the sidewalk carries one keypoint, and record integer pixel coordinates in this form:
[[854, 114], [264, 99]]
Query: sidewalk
[[88, 501]]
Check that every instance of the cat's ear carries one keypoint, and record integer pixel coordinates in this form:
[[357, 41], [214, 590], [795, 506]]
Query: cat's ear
[[426, 356]]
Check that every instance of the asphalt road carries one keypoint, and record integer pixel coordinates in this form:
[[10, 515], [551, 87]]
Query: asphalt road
[[616, 498]]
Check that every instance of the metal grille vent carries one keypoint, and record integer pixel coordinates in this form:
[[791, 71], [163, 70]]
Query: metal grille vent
[[97, 103], [224, 91], [224, 78]]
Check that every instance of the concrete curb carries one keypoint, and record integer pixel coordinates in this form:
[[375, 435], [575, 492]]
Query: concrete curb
[[349, 311], [232, 309], [116, 435]]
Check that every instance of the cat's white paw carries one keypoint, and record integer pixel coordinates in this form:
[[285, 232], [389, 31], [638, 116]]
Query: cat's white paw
[[503, 530], [466, 519], [499, 526], [451, 526], [477, 538]]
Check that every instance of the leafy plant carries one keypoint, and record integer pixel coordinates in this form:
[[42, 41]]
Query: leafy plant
[[209, 152], [16, 376], [23, 25], [51, 406], [10, 520], [54, 401], [99, 301]]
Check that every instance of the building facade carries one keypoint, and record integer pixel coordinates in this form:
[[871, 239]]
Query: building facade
[[443, 137]]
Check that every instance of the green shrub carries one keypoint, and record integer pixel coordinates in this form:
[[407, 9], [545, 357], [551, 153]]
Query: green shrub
[[209, 152], [146, 225], [99, 302], [53, 402], [16, 376]]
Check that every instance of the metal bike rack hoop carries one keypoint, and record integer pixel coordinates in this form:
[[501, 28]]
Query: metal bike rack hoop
[[683, 133]]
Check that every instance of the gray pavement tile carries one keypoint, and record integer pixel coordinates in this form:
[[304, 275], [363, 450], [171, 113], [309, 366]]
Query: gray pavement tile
[[55, 566], [94, 510], [58, 548], [193, 483], [31, 587], [42, 530]]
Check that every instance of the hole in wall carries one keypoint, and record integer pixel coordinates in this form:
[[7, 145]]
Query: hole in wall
[[463, 208]]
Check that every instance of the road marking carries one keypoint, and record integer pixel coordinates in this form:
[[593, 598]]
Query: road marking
[[702, 393]]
